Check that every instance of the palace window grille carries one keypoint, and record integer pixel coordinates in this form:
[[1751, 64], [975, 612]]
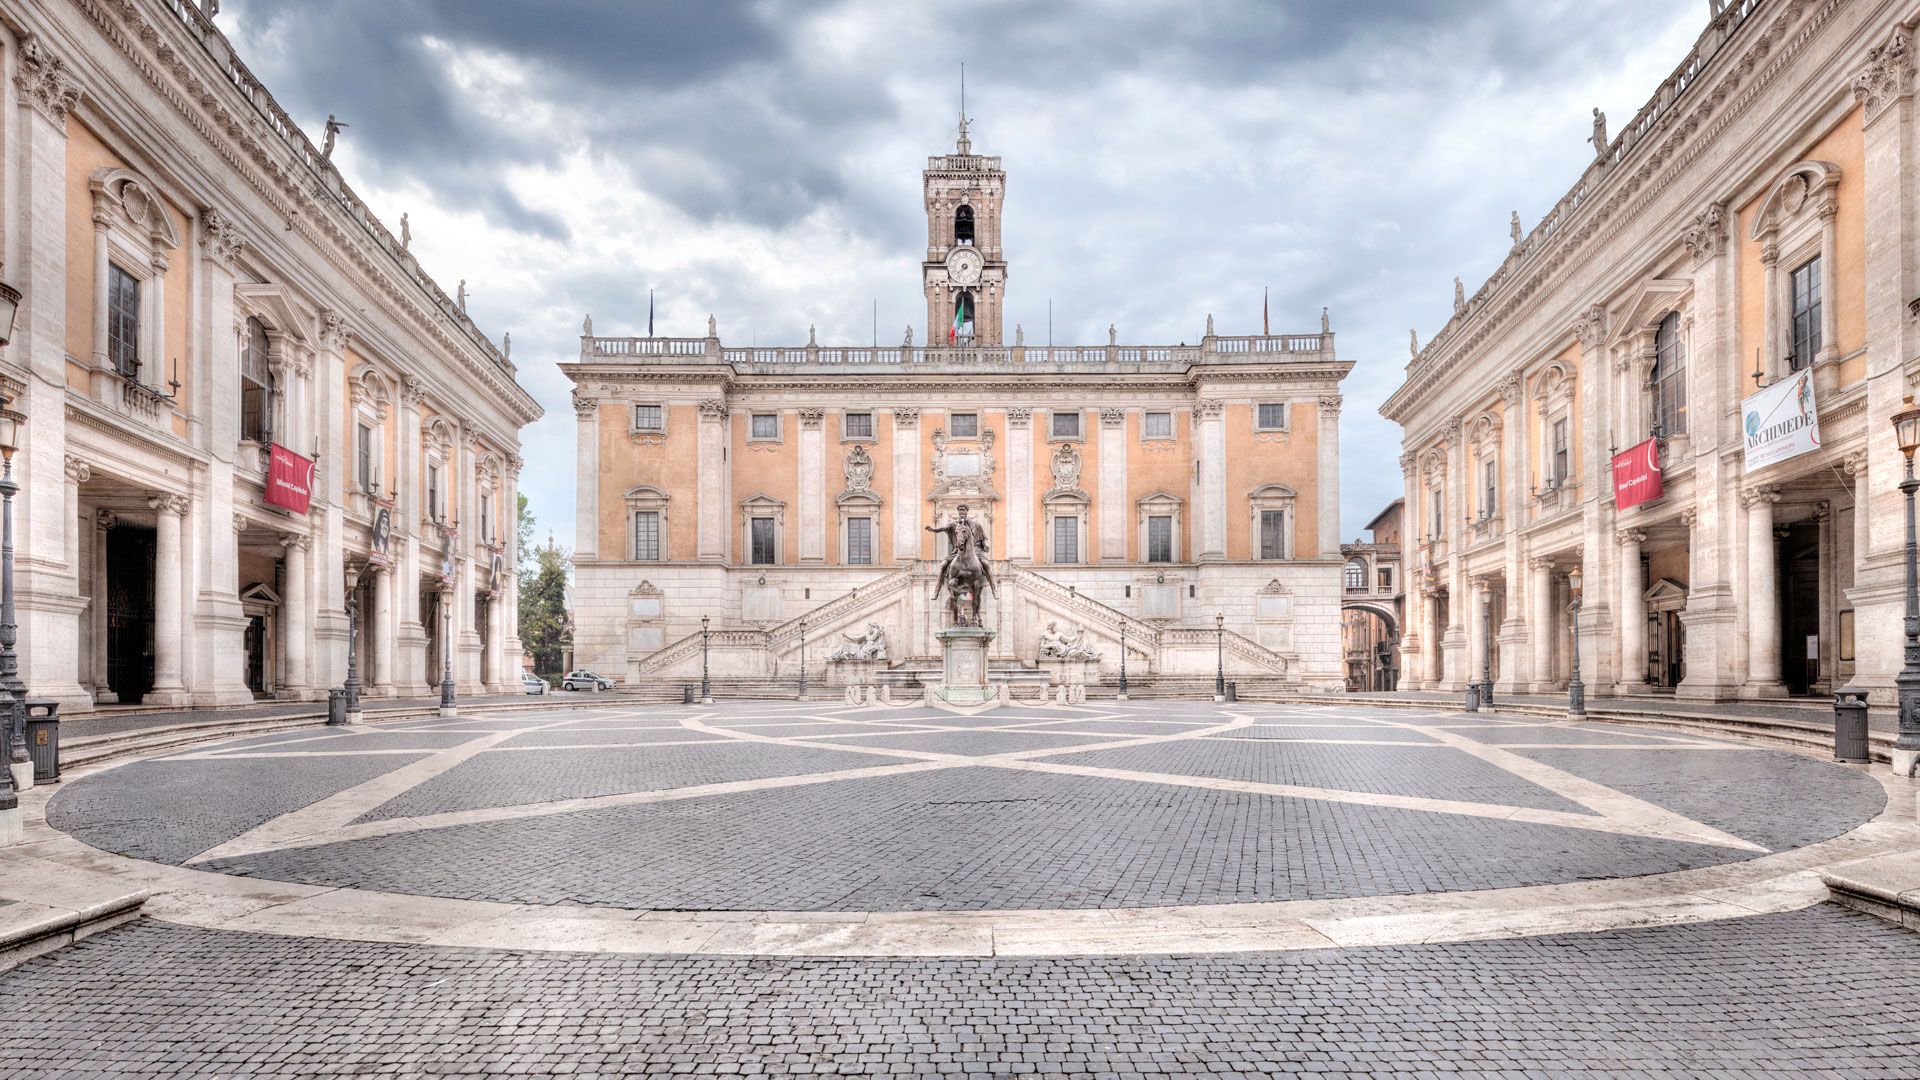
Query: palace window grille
[[648, 418], [1273, 417], [1066, 425], [1157, 425], [859, 541], [1670, 377], [1066, 539], [858, 425], [762, 541], [256, 385], [123, 322], [1804, 285], [646, 535], [966, 425], [1160, 538], [766, 425], [1273, 534]]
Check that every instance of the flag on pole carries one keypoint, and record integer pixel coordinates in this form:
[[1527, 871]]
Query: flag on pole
[[1265, 331], [649, 312], [959, 309]]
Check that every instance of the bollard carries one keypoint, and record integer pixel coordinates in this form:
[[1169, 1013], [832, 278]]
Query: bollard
[[1850, 726], [336, 707]]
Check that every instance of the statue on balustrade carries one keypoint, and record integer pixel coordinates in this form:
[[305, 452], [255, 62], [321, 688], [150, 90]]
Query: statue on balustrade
[[1055, 645], [871, 645]]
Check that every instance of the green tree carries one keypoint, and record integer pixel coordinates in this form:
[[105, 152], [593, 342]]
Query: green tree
[[544, 628], [524, 549]]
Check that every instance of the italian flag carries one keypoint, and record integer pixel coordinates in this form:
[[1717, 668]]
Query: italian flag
[[953, 335]]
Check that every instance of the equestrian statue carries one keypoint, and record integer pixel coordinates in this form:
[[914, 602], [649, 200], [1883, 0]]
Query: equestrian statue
[[966, 569]]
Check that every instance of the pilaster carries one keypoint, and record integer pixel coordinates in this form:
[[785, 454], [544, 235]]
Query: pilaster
[[1113, 485]]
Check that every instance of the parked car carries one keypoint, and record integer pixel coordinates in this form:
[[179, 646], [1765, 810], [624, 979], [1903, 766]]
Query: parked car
[[534, 684], [582, 679]]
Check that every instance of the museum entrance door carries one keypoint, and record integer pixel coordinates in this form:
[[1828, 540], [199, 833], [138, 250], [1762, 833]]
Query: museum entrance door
[[130, 568]]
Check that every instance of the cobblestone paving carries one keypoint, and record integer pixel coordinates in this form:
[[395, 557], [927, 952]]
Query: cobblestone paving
[[1821, 992]]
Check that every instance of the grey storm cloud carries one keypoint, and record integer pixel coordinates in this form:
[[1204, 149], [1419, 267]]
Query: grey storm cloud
[[1167, 160]]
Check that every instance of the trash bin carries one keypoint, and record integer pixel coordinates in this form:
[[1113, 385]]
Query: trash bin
[[1233, 691], [336, 707], [689, 698], [43, 740], [1850, 725]]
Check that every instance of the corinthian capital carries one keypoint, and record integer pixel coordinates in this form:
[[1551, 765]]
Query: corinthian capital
[[44, 81], [1888, 75]]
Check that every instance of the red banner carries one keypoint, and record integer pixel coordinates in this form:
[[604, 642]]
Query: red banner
[[289, 480], [1636, 475]]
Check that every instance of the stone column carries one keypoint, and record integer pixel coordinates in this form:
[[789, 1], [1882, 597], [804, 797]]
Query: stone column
[[906, 484], [813, 487], [103, 522], [1459, 608], [1210, 446], [1476, 630], [586, 517], [1540, 588], [1113, 486], [1713, 653], [1327, 503], [296, 617], [1763, 597], [1633, 615], [407, 513], [1436, 662], [714, 515], [380, 634], [1020, 484], [169, 601], [494, 655], [1827, 665], [510, 594]]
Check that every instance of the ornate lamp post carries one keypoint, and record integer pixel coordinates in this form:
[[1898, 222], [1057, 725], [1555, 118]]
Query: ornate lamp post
[[1219, 656], [803, 658], [16, 691], [1486, 643], [1906, 748], [1576, 690], [352, 685], [1123, 662], [706, 686], [9, 307], [448, 706]]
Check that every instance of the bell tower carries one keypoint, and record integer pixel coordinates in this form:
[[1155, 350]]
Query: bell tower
[[965, 275]]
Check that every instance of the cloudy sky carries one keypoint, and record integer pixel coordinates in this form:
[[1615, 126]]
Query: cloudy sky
[[760, 161]]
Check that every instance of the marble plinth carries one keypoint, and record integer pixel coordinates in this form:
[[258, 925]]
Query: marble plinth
[[963, 673]]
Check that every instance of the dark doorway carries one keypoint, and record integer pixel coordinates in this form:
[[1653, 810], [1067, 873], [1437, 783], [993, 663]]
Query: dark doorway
[[1800, 605], [130, 550], [482, 615], [430, 622], [1666, 649], [257, 655]]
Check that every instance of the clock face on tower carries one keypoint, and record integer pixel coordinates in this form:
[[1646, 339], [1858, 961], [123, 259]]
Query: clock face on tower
[[964, 265]]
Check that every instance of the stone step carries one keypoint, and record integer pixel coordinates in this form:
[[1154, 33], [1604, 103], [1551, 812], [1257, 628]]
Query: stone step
[[1885, 885]]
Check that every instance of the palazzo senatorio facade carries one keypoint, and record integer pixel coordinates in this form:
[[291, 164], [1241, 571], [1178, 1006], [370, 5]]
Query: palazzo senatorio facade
[[1757, 219], [1130, 489], [204, 293]]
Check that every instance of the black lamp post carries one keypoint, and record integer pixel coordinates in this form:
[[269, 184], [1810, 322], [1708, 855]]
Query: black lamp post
[[803, 658], [1123, 662], [448, 705], [706, 686], [1486, 644], [1219, 656], [16, 691], [1576, 690], [352, 685], [1906, 426]]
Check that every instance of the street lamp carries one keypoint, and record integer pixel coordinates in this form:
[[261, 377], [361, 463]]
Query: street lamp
[[1219, 656], [803, 658], [1906, 748], [352, 686], [16, 735], [1123, 662], [448, 705], [1486, 643], [1576, 690], [706, 686], [9, 307]]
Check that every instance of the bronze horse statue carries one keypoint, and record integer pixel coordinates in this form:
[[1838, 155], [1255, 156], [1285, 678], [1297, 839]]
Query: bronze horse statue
[[965, 570]]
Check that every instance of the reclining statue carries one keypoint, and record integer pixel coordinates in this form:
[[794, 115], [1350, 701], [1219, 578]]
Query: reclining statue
[[1058, 646], [871, 645]]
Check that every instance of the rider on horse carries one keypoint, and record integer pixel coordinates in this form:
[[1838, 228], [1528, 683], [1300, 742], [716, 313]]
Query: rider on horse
[[958, 534]]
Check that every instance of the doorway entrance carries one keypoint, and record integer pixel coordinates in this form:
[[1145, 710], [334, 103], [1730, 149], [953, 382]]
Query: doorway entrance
[[130, 553], [262, 608], [1800, 605]]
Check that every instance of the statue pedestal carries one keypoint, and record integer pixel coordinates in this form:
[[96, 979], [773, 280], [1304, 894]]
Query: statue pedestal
[[1069, 678], [964, 673], [858, 679]]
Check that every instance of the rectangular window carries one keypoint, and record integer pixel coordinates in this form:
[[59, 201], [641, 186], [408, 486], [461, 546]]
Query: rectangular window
[[646, 535], [762, 541], [486, 519], [256, 381], [859, 541], [649, 418], [766, 425], [1273, 534], [965, 425], [1066, 539], [1273, 417], [1157, 425], [433, 492], [1562, 454], [1386, 577], [363, 456], [1436, 513], [1160, 539], [1066, 425], [1492, 489], [1805, 285], [857, 425], [123, 322]]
